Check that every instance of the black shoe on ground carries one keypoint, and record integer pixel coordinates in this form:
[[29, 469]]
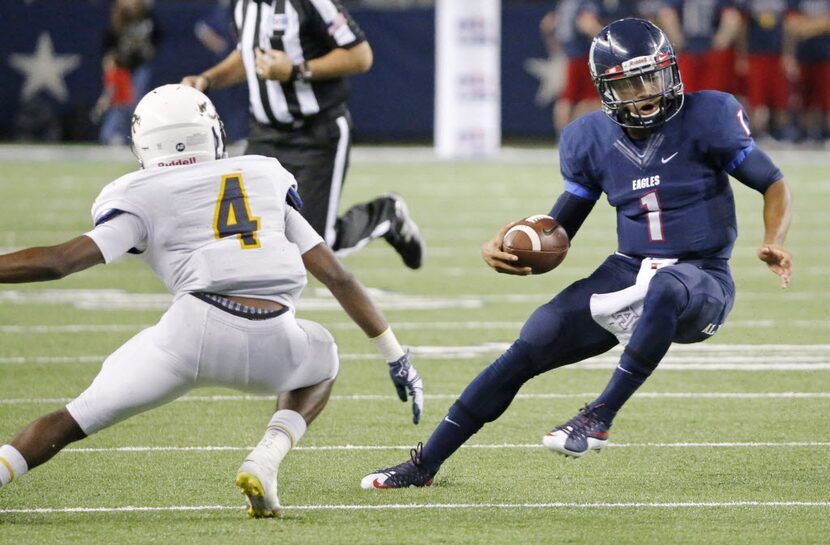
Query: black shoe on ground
[[405, 475]]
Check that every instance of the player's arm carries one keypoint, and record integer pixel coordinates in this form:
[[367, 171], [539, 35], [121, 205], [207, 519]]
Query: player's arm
[[230, 71], [321, 262], [49, 262], [569, 211], [759, 172], [777, 216]]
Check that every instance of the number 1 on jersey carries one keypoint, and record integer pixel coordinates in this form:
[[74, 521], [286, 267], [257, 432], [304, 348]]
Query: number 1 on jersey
[[233, 213], [650, 202]]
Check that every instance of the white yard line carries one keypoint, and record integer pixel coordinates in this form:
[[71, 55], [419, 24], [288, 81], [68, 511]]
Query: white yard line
[[378, 397], [520, 446], [434, 506], [409, 326]]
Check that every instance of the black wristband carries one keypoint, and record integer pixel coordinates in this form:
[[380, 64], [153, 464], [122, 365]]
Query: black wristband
[[295, 73]]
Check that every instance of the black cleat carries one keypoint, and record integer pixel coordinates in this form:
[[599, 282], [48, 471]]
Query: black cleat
[[404, 235], [581, 434], [405, 475]]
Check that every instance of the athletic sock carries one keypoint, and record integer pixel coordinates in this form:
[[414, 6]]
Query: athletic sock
[[284, 431], [452, 432], [629, 375], [12, 465]]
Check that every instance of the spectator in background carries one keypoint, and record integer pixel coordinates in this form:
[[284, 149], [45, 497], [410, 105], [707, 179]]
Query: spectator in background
[[709, 30], [216, 32], [570, 27], [809, 25], [770, 65], [132, 38], [115, 105]]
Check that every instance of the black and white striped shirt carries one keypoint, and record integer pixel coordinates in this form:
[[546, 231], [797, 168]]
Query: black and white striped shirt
[[304, 29]]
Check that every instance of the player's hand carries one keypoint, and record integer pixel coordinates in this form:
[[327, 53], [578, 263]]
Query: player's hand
[[779, 261], [200, 83], [273, 64], [407, 380], [499, 260]]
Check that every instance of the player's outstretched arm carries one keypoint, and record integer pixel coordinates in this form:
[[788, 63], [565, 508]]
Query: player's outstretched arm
[[49, 262], [321, 262], [494, 255], [777, 215]]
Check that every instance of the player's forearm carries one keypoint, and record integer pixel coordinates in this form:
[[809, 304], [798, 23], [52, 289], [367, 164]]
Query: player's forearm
[[49, 262], [342, 62], [228, 72], [355, 300], [777, 213]]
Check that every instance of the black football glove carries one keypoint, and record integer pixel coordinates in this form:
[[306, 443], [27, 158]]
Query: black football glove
[[406, 379]]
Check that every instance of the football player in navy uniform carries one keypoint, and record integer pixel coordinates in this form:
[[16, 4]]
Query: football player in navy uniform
[[663, 160]]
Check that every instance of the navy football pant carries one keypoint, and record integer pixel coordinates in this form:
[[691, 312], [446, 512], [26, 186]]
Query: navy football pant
[[681, 303]]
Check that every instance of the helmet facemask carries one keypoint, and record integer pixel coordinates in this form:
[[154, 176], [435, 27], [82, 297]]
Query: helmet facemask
[[642, 97], [634, 69]]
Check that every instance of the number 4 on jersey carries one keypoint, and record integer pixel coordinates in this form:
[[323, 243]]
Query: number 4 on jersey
[[233, 214]]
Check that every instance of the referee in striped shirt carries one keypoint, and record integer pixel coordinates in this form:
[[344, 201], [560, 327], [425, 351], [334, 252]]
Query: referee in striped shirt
[[295, 56]]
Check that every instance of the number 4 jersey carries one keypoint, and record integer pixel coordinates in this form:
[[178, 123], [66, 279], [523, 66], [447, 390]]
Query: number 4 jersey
[[224, 226]]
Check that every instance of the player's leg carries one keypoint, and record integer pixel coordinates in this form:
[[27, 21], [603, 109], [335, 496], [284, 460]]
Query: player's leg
[[558, 333], [683, 304], [37, 443], [142, 374], [295, 357]]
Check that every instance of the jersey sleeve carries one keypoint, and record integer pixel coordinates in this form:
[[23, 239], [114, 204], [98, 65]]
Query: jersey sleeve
[[330, 18], [729, 138], [300, 232], [575, 165], [117, 235]]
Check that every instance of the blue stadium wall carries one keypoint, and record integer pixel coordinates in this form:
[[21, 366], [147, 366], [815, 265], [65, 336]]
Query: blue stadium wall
[[392, 102]]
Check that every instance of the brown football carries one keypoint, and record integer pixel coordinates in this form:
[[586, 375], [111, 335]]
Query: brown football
[[539, 242]]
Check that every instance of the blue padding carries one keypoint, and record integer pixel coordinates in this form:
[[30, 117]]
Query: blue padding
[[736, 162], [581, 191]]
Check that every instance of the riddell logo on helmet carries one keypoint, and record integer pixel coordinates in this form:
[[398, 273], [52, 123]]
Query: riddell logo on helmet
[[178, 162]]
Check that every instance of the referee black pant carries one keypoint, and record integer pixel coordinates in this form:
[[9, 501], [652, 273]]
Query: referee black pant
[[317, 154]]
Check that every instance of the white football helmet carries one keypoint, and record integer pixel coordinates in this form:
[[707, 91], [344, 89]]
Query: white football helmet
[[176, 125]]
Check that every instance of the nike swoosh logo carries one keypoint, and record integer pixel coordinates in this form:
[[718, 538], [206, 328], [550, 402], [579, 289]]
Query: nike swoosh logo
[[665, 160], [451, 422]]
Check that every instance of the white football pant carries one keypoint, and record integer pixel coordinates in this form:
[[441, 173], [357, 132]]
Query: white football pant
[[197, 344]]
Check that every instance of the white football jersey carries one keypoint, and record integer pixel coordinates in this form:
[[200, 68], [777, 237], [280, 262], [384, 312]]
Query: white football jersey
[[217, 227]]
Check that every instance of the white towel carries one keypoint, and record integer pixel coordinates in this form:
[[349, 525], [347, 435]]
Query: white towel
[[619, 311]]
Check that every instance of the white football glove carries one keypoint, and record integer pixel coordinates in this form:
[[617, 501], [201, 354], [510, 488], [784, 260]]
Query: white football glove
[[406, 379]]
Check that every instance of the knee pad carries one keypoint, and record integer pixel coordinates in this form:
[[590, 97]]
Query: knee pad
[[665, 289]]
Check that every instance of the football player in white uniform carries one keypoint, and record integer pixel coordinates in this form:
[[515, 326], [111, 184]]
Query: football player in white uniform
[[225, 237]]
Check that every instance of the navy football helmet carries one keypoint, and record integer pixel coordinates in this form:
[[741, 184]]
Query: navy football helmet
[[635, 72]]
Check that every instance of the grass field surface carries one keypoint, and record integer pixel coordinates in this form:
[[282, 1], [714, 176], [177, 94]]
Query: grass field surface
[[728, 442]]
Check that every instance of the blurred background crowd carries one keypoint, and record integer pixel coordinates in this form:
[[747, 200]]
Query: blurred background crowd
[[75, 69]]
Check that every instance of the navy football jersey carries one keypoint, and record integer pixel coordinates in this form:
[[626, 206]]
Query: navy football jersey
[[671, 191]]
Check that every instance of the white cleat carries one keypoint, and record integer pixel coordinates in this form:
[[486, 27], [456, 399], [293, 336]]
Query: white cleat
[[260, 490]]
